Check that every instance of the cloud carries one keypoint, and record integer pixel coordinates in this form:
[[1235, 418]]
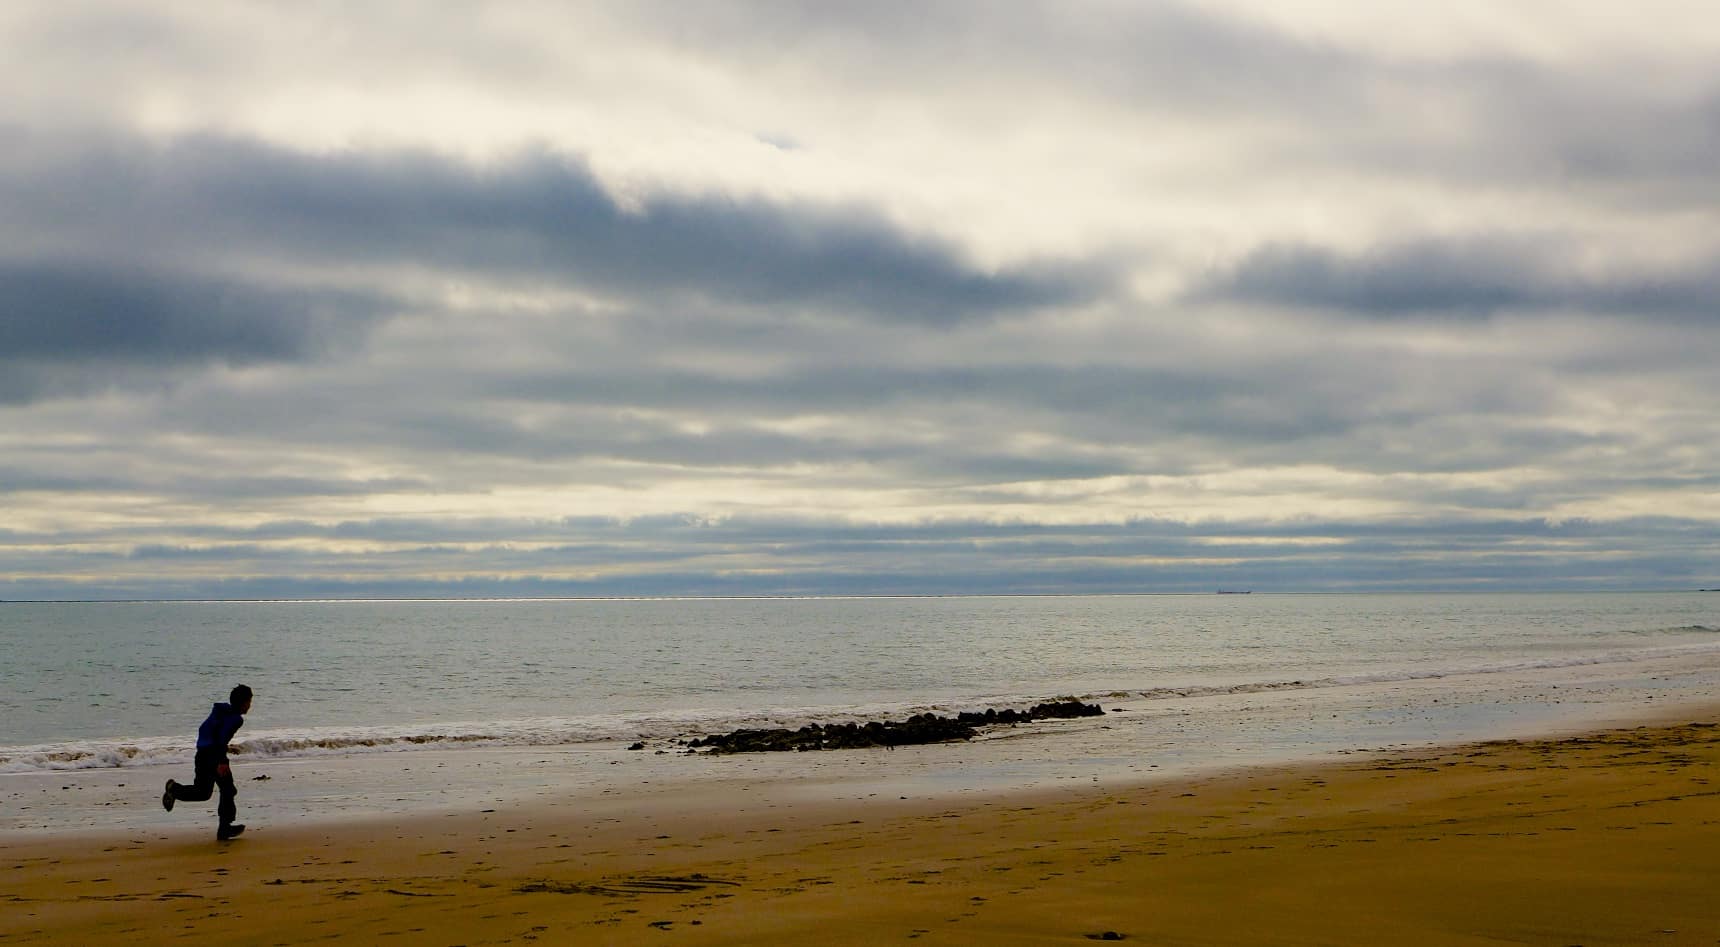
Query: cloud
[[537, 216], [888, 297], [66, 329], [1461, 279], [777, 556], [62, 312]]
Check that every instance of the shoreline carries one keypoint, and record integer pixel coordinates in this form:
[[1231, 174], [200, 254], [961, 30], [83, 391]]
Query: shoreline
[[1136, 742], [1612, 836]]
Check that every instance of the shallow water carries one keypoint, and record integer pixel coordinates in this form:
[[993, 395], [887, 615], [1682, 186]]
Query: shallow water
[[367, 706], [103, 684], [509, 696]]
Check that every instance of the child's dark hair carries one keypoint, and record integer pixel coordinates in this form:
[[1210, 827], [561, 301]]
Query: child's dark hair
[[240, 695]]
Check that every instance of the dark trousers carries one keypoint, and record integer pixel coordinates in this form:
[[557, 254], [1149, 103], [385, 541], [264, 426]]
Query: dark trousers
[[212, 772]]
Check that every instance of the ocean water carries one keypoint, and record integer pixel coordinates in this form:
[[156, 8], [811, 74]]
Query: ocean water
[[90, 686]]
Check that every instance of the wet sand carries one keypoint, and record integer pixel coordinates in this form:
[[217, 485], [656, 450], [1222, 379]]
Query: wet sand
[[1611, 838]]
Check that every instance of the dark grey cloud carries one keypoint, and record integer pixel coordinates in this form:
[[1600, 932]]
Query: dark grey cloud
[[67, 328], [137, 259], [539, 216], [62, 312], [1472, 279]]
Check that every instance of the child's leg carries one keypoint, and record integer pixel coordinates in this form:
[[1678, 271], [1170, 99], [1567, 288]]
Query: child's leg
[[198, 791], [226, 810], [204, 787]]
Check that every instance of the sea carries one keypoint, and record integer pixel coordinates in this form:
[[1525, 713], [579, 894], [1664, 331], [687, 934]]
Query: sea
[[100, 695]]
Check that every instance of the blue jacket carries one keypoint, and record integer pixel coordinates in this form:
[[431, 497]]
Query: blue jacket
[[218, 730]]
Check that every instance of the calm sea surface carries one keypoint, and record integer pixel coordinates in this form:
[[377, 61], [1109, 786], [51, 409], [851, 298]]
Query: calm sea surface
[[101, 685]]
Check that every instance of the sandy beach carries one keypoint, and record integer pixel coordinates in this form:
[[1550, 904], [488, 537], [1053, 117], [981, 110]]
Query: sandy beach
[[1610, 838]]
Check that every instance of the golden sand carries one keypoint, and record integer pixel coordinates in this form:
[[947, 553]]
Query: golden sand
[[1607, 839]]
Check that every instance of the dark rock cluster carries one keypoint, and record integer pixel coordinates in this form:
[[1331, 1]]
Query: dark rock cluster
[[920, 728]]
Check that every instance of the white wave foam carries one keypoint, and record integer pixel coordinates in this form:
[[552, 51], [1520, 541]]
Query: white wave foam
[[89, 755]]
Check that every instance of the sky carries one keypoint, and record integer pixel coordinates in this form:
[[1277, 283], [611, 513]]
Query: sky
[[934, 297]]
